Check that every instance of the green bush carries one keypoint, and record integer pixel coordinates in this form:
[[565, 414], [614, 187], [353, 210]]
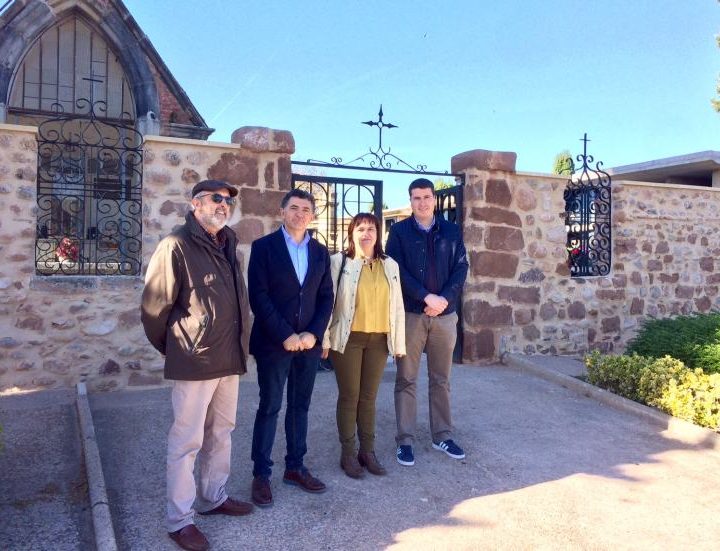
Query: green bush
[[656, 377], [665, 383], [695, 397], [694, 340], [618, 374]]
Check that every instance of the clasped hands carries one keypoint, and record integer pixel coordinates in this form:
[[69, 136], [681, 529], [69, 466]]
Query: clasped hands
[[299, 342], [435, 305]]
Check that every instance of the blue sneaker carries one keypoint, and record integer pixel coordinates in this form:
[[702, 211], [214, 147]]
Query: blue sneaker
[[450, 448], [405, 456]]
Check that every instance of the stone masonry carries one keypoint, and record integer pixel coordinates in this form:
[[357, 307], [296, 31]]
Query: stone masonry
[[520, 297], [58, 330]]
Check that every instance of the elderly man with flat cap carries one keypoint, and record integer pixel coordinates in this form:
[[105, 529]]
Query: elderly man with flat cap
[[195, 313]]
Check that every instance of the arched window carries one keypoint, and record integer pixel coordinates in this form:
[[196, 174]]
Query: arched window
[[69, 62], [71, 85]]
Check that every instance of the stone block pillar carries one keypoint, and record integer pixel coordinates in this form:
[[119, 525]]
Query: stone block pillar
[[493, 237], [519, 296]]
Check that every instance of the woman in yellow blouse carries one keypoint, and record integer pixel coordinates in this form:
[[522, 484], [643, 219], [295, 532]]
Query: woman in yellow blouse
[[367, 324]]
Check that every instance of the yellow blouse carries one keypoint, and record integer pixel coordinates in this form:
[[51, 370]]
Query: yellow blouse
[[372, 301]]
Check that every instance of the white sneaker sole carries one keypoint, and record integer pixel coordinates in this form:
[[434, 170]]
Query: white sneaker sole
[[405, 463], [454, 456]]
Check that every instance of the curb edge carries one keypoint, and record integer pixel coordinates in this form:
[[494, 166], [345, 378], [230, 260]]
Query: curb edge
[[102, 519], [677, 427]]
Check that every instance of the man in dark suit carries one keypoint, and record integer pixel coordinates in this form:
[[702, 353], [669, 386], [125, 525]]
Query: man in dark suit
[[291, 295]]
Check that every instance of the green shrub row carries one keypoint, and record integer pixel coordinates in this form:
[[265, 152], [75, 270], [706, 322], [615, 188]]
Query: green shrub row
[[665, 383], [694, 340]]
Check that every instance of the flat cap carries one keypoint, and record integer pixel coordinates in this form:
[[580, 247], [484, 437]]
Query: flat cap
[[213, 185]]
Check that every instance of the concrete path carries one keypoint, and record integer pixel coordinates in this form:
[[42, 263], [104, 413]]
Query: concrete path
[[43, 492], [546, 468]]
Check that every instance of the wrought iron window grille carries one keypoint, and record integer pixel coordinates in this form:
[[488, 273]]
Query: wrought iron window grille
[[588, 218], [89, 194]]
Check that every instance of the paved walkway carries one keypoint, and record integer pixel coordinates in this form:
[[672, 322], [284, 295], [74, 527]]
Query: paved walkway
[[546, 468], [43, 492]]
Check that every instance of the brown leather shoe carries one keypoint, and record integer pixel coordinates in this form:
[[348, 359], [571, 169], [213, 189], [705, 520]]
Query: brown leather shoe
[[232, 507], [305, 480], [349, 464], [370, 461], [190, 538], [261, 492]]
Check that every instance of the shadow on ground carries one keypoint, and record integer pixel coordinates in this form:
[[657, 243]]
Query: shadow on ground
[[545, 468]]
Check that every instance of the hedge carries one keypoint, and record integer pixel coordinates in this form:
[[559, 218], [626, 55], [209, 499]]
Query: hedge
[[665, 383], [694, 340]]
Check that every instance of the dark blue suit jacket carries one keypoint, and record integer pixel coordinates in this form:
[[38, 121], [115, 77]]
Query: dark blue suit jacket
[[280, 304]]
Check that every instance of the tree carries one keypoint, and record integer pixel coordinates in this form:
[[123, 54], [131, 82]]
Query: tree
[[564, 164], [441, 183], [370, 207]]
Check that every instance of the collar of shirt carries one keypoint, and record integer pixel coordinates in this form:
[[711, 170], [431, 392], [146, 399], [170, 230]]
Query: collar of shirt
[[290, 241], [298, 253], [426, 229]]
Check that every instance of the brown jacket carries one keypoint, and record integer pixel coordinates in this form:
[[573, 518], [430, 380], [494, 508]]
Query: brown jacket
[[195, 307]]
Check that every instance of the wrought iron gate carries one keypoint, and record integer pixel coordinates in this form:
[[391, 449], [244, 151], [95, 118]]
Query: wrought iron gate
[[89, 195], [337, 200], [449, 204]]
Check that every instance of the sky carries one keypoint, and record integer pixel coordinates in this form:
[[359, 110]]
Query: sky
[[526, 76]]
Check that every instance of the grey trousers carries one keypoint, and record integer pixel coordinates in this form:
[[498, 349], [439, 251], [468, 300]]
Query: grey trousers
[[435, 336], [204, 417]]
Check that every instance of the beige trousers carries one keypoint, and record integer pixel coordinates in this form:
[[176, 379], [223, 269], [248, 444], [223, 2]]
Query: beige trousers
[[436, 337], [204, 418]]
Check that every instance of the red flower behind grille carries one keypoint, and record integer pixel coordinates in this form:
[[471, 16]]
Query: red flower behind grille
[[67, 250]]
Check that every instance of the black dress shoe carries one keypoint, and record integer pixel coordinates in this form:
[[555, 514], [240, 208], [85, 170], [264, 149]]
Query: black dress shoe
[[232, 507], [190, 538], [261, 492], [305, 480]]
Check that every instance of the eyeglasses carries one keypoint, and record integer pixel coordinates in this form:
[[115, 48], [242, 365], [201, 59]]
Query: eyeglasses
[[217, 198]]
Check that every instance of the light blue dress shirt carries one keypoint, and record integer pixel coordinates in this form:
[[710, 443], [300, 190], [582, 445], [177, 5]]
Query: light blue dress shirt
[[426, 229], [298, 254]]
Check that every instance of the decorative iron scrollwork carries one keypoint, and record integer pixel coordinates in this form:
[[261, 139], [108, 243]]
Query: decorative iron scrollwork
[[89, 194], [449, 203], [379, 159], [337, 200], [588, 218]]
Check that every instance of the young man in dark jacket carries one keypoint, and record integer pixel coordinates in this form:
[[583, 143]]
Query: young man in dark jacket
[[291, 295], [433, 267], [195, 313]]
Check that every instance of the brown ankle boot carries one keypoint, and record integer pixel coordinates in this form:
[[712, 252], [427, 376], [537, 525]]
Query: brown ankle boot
[[371, 463], [350, 465]]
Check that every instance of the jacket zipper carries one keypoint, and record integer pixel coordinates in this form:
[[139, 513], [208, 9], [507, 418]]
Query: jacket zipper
[[201, 330]]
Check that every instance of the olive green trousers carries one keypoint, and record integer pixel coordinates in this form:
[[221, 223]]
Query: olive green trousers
[[359, 371]]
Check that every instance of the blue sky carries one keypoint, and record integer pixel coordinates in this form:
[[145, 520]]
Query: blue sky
[[523, 76]]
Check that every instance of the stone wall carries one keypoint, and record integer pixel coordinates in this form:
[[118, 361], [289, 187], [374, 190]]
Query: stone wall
[[520, 297], [58, 330]]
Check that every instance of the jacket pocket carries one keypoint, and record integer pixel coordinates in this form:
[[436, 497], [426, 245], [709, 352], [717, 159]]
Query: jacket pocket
[[200, 333]]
